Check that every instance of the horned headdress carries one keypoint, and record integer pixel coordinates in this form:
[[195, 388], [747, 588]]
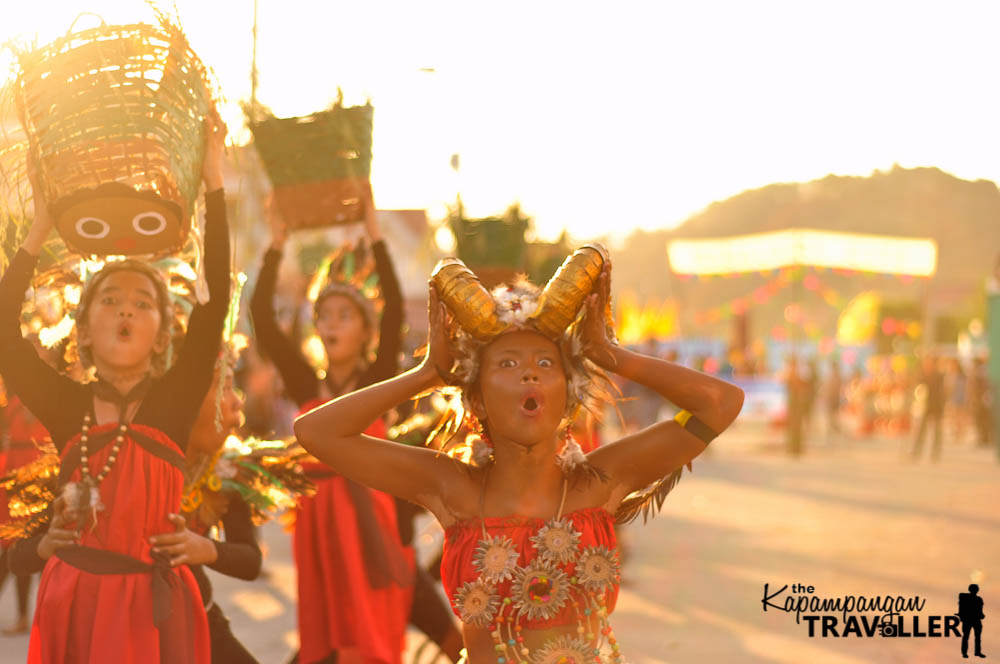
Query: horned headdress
[[551, 311], [554, 311]]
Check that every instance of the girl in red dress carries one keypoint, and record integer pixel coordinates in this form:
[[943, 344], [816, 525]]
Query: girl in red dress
[[104, 595], [355, 576], [530, 559]]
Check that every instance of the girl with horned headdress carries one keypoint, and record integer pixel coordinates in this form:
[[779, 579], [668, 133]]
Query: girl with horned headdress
[[105, 595], [355, 576], [530, 562]]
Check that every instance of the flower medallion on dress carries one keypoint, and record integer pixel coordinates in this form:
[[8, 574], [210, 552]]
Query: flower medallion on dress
[[540, 590], [477, 603], [495, 558], [566, 650], [598, 568], [557, 541]]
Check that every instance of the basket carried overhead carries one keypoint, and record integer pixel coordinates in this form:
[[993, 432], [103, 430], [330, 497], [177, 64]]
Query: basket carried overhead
[[494, 247], [318, 164], [114, 117]]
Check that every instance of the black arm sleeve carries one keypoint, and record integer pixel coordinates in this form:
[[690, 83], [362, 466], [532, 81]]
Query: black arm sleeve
[[23, 558], [299, 378], [390, 338], [56, 400], [173, 404], [239, 555]]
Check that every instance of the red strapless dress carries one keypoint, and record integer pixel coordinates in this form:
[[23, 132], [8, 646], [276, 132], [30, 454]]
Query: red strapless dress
[[595, 527], [350, 599], [96, 618]]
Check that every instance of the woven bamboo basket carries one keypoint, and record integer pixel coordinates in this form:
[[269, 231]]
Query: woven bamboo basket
[[114, 117], [493, 247], [319, 164]]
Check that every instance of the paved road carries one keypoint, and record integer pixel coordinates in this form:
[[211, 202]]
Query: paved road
[[848, 519]]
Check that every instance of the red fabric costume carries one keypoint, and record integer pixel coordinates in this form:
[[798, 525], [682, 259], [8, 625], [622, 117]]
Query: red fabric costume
[[330, 549], [87, 610], [595, 525], [124, 608], [355, 576]]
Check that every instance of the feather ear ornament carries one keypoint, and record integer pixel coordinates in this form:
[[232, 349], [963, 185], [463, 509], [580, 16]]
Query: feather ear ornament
[[482, 453], [573, 462], [571, 455]]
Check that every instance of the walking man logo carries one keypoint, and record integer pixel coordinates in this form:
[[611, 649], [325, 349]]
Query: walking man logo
[[970, 612]]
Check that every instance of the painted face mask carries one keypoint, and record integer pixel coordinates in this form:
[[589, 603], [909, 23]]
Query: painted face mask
[[116, 219]]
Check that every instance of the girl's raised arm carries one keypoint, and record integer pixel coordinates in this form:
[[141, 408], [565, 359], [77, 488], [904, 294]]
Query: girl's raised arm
[[333, 433], [391, 326], [297, 375], [187, 381], [52, 397], [652, 453]]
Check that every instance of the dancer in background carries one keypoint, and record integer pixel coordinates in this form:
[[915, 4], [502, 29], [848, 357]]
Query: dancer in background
[[104, 594], [22, 435], [355, 576], [530, 562], [238, 555]]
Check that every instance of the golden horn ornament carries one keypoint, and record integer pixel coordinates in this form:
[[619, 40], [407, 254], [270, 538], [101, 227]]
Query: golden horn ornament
[[568, 288], [472, 305]]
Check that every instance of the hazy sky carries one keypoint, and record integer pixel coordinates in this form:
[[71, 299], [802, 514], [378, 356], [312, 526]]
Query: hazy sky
[[600, 116]]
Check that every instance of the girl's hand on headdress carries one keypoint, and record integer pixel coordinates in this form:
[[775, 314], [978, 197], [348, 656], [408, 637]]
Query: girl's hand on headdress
[[594, 330], [438, 354], [58, 535], [215, 150], [184, 546]]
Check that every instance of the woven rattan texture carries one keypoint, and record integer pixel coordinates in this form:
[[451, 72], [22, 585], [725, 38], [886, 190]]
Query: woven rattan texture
[[329, 145], [120, 103], [491, 242]]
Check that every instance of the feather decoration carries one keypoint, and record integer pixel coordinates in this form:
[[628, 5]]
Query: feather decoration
[[352, 265], [30, 490], [573, 462], [647, 501], [267, 475]]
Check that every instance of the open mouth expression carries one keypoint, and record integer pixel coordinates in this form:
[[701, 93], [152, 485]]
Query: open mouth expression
[[123, 323], [523, 386]]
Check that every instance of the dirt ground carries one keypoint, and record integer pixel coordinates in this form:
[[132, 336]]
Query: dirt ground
[[851, 518]]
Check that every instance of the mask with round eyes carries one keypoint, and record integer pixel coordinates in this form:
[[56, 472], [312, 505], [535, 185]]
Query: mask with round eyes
[[117, 220]]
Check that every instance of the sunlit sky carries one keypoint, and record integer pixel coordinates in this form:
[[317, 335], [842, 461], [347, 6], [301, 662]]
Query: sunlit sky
[[600, 117]]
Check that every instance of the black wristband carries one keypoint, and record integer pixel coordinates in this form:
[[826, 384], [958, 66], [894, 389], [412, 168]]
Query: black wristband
[[695, 426]]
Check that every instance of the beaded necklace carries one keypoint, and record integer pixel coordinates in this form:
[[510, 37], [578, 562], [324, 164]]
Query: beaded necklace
[[560, 575], [84, 494]]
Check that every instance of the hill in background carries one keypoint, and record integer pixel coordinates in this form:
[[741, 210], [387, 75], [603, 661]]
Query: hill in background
[[963, 217]]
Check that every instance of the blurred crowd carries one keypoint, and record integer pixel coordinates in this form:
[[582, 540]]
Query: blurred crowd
[[934, 396]]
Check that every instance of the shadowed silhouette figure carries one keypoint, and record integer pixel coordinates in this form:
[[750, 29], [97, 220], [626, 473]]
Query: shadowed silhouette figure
[[970, 612]]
